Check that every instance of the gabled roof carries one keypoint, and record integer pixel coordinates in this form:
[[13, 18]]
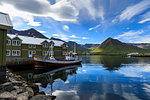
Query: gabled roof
[[33, 40], [5, 22]]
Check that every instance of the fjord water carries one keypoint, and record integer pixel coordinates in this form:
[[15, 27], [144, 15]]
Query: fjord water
[[98, 78]]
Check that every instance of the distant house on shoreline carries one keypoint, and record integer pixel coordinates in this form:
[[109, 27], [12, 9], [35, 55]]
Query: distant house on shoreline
[[24, 46]]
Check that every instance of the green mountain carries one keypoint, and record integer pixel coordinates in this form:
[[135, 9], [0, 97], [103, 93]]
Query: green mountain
[[114, 46]]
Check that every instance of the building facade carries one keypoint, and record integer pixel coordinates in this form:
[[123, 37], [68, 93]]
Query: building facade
[[24, 47]]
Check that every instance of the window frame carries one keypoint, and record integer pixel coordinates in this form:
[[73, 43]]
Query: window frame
[[30, 45], [16, 44], [9, 52], [9, 42], [16, 52], [33, 46]]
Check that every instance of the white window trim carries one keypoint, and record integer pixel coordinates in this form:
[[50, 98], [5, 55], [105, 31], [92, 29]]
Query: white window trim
[[45, 53], [9, 52], [9, 42], [45, 45], [16, 43], [30, 46], [34, 52], [33, 46], [16, 53]]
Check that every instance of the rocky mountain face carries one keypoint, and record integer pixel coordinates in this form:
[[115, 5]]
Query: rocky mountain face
[[30, 32]]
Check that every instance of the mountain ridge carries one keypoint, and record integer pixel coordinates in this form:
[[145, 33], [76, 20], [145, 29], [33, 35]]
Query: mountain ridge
[[114, 46]]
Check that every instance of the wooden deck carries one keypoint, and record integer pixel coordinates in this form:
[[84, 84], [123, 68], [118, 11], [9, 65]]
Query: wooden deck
[[19, 63]]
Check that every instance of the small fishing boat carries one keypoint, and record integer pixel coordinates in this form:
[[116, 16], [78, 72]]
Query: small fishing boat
[[38, 62], [71, 58]]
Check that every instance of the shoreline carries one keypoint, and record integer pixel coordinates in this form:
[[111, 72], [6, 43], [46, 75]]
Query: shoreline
[[16, 88]]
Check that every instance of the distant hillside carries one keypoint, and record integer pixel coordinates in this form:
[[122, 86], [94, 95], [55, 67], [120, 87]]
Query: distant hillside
[[52, 38], [30, 32], [114, 46], [141, 45], [80, 48], [88, 46]]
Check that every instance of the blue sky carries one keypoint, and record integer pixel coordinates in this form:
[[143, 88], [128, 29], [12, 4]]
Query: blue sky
[[83, 21]]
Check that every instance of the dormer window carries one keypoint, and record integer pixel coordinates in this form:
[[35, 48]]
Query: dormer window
[[45, 45], [16, 43], [34, 46], [51, 46], [30, 46], [8, 42]]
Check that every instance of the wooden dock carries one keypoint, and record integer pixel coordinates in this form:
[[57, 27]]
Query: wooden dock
[[19, 63]]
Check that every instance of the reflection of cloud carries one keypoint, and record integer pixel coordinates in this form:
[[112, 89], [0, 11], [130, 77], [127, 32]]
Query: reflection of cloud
[[66, 95], [67, 82], [146, 87], [136, 71], [130, 96]]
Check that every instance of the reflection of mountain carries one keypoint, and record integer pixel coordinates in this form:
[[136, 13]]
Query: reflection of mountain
[[111, 62], [115, 62]]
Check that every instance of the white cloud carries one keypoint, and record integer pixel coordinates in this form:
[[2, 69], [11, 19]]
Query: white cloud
[[93, 28], [66, 28], [73, 36], [129, 34], [27, 10], [143, 39], [75, 40], [133, 10], [61, 36], [90, 7], [145, 18], [84, 38], [56, 35], [41, 31]]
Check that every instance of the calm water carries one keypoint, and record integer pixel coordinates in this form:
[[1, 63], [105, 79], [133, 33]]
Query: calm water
[[98, 78]]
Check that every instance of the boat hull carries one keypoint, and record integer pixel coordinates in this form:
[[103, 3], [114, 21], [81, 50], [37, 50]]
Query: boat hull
[[38, 63]]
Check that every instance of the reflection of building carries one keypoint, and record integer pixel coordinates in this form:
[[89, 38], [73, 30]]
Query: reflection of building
[[49, 77], [24, 46]]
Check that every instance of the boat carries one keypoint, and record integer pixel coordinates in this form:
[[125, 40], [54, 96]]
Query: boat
[[38, 62], [71, 58]]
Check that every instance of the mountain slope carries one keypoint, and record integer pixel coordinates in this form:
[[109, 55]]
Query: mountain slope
[[80, 49], [114, 46], [30, 32]]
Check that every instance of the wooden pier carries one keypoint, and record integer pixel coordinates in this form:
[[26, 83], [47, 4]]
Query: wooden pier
[[19, 63]]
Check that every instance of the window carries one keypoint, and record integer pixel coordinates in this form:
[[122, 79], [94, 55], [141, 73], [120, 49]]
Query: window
[[8, 42], [45, 53], [16, 43], [8, 52], [34, 46], [51, 46], [45, 45], [34, 52], [16, 52], [30, 46]]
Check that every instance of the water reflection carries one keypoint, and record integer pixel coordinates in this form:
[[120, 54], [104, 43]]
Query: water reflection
[[99, 78]]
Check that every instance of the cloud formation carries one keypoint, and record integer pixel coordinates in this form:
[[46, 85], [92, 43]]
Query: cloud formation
[[133, 10], [28, 9], [145, 18], [129, 34], [93, 28], [65, 27]]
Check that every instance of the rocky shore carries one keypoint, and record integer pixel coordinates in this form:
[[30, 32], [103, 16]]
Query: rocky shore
[[16, 88]]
